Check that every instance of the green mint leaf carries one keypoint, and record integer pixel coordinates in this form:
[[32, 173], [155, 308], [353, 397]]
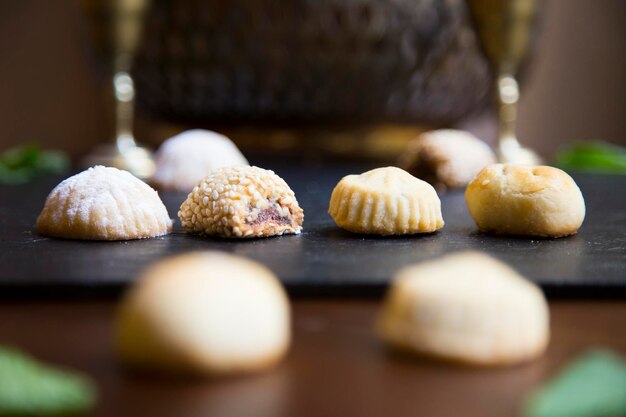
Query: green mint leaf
[[593, 386], [597, 157], [29, 388], [22, 164]]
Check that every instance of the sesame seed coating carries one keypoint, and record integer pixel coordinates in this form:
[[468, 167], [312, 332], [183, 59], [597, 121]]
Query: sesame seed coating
[[241, 202]]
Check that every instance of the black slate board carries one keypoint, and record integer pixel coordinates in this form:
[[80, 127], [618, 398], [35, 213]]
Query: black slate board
[[323, 260]]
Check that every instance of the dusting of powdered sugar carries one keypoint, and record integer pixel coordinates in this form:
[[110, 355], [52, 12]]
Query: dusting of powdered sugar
[[184, 159], [110, 201]]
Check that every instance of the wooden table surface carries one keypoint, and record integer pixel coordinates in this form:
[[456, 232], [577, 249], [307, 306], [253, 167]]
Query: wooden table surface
[[335, 366]]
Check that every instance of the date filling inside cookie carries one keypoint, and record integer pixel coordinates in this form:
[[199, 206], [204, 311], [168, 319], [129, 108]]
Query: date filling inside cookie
[[274, 214]]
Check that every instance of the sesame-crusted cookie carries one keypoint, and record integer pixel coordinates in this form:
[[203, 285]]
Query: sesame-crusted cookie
[[103, 203], [241, 201]]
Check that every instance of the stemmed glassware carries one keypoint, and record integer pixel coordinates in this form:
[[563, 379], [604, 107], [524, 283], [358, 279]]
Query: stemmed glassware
[[126, 21], [504, 29]]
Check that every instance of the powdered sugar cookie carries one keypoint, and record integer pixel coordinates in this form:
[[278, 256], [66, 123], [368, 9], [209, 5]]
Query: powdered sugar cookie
[[186, 158], [103, 203]]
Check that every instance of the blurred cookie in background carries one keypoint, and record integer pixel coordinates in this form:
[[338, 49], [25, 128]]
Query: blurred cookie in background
[[447, 158], [186, 158]]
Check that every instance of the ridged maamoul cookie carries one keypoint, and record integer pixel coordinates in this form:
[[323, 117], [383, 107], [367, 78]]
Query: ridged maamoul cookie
[[103, 203], [204, 313], [465, 307], [525, 200], [385, 201], [186, 158], [447, 158], [241, 201]]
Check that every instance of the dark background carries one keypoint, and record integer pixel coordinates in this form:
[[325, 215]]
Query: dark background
[[50, 93]]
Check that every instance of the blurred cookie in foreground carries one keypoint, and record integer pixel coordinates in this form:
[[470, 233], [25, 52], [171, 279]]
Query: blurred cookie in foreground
[[186, 158], [240, 202], [204, 313], [103, 203], [447, 158], [385, 201], [525, 200], [466, 307]]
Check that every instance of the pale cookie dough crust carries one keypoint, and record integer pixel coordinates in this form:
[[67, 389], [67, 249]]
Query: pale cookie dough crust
[[467, 308], [447, 158], [524, 200], [166, 323], [385, 201]]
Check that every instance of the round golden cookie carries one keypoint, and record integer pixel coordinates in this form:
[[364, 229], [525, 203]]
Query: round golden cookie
[[525, 200], [103, 203], [466, 307], [241, 201], [204, 313], [447, 158], [186, 158], [385, 201]]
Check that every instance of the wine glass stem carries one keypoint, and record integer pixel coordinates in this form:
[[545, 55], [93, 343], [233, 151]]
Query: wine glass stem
[[507, 98], [124, 110]]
